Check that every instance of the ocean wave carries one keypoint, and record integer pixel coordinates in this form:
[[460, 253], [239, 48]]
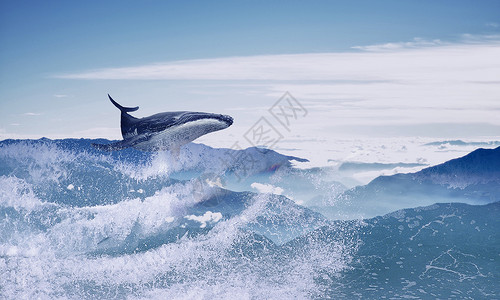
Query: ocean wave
[[79, 223]]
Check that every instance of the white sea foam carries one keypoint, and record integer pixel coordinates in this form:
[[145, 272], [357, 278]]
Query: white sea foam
[[87, 225]]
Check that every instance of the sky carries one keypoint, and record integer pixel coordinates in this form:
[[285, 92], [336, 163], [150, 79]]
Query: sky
[[356, 68]]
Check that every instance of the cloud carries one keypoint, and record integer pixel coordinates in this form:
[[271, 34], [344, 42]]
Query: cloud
[[206, 218], [388, 93], [31, 114], [414, 61], [416, 43], [480, 39], [60, 95], [267, 188]]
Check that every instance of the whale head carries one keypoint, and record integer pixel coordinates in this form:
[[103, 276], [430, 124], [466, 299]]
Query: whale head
[[212, 121], [185, 127]]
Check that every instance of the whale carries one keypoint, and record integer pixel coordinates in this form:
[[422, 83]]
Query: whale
[[164, 131]]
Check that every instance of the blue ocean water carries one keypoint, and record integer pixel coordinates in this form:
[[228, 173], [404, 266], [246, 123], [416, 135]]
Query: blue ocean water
[[77, 223]]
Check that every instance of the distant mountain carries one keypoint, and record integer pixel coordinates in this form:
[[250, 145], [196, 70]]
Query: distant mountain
[[473, 179], [65, 171], [193, 156], [462, 143], [275, 219], [126, 201], [363, 167], [479, 166]]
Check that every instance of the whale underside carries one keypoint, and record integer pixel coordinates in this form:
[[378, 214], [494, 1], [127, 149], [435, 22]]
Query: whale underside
[[164, 131]]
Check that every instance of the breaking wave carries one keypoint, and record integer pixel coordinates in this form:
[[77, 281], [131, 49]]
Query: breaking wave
[[78, 223]]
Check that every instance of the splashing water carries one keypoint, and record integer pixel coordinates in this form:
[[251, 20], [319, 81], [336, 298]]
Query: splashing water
[[80, 224], [76, 223]]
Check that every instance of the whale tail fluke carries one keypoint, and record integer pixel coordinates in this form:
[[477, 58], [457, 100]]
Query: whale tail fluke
[[122, 108]]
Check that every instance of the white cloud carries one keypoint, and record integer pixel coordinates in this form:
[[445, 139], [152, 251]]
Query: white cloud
[[60, 96], [436, 61], [435, 84], [480, 39], [205, 218], [416, 43], [267, 188], [32, 114]]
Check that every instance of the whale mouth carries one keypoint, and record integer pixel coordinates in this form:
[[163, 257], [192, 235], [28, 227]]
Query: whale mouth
[[227, 119], [196, 116]]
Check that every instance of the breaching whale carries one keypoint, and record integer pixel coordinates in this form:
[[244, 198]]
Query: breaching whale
[[164, 131]]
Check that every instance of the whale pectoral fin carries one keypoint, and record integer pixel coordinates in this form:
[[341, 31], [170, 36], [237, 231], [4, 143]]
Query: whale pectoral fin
[[111, 147]]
